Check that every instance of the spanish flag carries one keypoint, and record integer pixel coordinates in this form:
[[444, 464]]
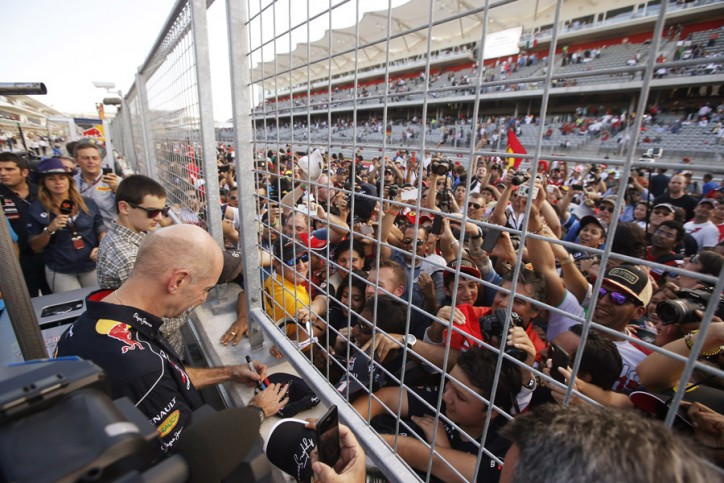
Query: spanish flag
[[514, 147]]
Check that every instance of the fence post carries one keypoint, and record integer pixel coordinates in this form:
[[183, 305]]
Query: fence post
[[243, 144], [149, 166], [206, 114], [128, 151]]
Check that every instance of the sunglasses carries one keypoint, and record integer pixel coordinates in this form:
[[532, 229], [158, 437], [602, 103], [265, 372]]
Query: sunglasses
[[606, 208], [475, 206], [294, 261], [152, 212], [617, 298], [408, 241], [232, 197], [694, 259]]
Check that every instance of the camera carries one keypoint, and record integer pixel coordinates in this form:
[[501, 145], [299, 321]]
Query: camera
[[492, 327], [519, 178], [393, 189], [440, 166], [681, 310], [442, 200]]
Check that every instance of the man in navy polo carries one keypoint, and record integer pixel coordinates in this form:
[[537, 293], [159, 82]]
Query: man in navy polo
[[175, 269]]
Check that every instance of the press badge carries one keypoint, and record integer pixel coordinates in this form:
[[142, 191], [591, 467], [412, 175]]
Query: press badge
[[78, 242]]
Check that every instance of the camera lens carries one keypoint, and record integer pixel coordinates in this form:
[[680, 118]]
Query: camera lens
[[677, 311]]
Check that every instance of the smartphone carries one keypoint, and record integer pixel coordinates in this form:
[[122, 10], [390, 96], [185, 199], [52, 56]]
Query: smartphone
[[436, 225], [107, 170], [328, 448], [490, 238], [559, 358], [366, 230], [577, 187], [410, 194]]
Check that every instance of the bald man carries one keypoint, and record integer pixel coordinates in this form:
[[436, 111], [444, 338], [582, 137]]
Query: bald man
[[175, 269]]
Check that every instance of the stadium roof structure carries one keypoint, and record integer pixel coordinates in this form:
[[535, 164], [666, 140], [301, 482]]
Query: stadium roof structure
[[450, 23]]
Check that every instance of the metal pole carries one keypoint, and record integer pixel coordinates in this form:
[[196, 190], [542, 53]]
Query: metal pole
[[206, 114], [128, 152], [108, 160], [149, 166], [243, 144], [15, 292]]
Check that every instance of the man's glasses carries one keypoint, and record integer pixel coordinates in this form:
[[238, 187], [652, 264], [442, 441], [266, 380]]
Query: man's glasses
[[606, 208], [301, 258], [152, 212], [408, 241], [232, 197], [475, 206], [617, 298]]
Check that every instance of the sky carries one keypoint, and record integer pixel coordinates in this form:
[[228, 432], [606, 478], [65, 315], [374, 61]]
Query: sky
[[69, 44]]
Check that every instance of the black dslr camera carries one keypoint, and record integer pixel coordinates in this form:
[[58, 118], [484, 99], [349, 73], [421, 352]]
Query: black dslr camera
[[681, 310], [492, 328], [441, 166], [519, 178], [393, 190]]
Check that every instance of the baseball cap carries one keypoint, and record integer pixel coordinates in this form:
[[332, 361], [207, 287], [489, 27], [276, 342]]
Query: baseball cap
[[466, 266], [710, 201], [666, 206], [51, 166], [588, 219], [578, 168], [288, 447], [411, 217], [312, 242], [609, 199], [233, 265], [289, 252], [632, 280], [301, 396]]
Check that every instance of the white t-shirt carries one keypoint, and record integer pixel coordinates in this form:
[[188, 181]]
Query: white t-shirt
[[558, 323], [705, 234], [631, 356]]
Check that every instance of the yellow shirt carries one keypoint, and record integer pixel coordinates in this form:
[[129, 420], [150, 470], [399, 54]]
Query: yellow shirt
[[283, 298]]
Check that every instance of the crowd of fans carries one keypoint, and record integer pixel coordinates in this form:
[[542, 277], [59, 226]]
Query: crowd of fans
[[399, 270], [407, 276]]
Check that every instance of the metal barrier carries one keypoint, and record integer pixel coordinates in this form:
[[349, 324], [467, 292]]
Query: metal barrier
[[169, 135]]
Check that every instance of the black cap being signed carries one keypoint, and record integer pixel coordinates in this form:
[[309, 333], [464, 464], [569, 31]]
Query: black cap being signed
[[289, 447]]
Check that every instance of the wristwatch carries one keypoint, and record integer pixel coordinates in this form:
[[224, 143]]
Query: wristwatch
[[410, 341], [51, 233], [259, 410]]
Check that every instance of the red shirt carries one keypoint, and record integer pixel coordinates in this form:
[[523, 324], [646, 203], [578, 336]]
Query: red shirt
[[461, 342]]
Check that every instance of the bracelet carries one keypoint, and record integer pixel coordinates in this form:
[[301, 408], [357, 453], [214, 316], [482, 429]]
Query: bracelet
[[537, 232], [51, 233], [690, 343], [567, 261]]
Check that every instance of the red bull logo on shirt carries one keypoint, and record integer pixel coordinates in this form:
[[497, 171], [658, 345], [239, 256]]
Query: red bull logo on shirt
[[119, 331]]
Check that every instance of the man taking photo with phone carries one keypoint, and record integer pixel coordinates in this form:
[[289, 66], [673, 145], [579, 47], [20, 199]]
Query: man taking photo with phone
[[92, 180]]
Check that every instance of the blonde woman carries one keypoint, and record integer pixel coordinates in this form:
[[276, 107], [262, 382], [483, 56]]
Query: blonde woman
[[66, 227]]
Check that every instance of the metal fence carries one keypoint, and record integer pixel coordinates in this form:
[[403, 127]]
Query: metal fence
[[322, 96]]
